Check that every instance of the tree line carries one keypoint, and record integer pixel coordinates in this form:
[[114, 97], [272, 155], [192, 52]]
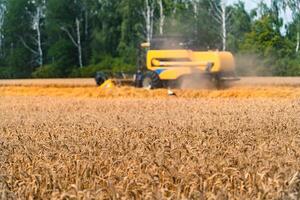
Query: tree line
[[76, 38]]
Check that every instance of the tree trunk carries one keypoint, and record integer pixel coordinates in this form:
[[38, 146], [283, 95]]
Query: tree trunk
[[79, 43], [221, 17], [162, 18], [224, 30], [298, 42], [148, 15], [37, 50], [39, 39], [151, 23], [195, 7], [148, 21], [2, 14]]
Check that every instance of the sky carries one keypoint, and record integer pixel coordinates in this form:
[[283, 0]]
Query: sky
[[250, 4]]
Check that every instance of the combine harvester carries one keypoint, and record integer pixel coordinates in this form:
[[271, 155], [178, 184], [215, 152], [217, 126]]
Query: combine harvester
[[169, 64]]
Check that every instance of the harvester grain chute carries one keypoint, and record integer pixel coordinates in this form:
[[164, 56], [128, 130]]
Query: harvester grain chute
[[167, 63]]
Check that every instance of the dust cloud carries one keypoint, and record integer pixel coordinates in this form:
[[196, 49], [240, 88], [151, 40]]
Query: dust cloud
[[196, 81], [251, 65]]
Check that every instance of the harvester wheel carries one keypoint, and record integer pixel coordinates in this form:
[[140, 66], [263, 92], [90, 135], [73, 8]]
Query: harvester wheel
[[151, 81], [100, 78], [216, 80]]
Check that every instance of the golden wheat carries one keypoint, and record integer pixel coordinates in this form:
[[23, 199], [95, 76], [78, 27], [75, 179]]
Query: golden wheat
[[251, 87], [83, 82], [125, 92], [68, 148], [127, 143], [89, 82]]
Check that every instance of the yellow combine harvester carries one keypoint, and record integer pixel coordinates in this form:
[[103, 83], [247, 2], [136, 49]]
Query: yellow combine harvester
[[168, 64]]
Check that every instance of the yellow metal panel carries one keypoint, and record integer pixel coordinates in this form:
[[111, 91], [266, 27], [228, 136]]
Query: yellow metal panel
[[227, 61], [174, 73], [157, 63], [188, 62]]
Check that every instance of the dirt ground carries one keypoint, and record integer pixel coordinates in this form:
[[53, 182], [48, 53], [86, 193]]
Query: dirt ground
[[76, 142]]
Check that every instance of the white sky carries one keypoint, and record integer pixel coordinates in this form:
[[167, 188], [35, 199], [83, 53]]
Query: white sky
[[250, 4]]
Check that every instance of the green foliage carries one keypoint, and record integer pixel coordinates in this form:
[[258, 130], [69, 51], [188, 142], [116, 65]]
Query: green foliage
[[266, 41], [6, 73], [48, 71], [18, 58], [288, 66], [110, 33], [108, 64], [240, 24], [62, 53]]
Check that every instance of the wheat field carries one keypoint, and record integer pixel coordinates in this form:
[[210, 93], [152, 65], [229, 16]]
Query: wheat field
[[248, 87], [89, 82], [81, 143]]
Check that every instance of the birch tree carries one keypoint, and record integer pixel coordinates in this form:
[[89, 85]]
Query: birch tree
[[294, 5], [195, 4], [162, 17], [2, 14], [28, 34], [37, 18], [18, 44], [72, 25], [35, 45], [75, 40], [148, 14], [221, 16]]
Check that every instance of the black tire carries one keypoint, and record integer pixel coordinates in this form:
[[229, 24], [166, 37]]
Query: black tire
[[217, 82], [138, 82], [151, 80], [100, 78]]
